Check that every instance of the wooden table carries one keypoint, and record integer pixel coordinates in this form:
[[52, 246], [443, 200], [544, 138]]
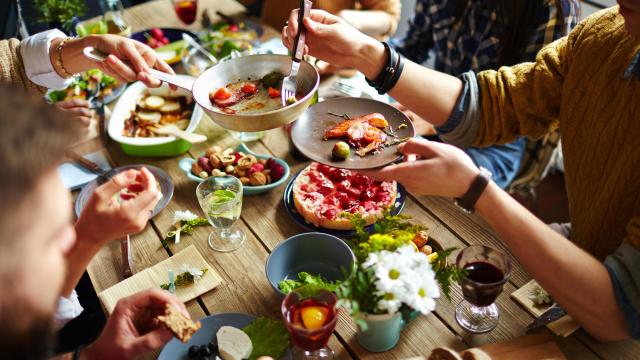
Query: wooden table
[[265, 222]]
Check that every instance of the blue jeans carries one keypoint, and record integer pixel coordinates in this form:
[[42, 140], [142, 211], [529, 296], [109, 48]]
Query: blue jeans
[[503, 161]]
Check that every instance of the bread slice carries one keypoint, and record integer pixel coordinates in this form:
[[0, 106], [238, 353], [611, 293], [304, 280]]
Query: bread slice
[[181, 326], [233, 343]]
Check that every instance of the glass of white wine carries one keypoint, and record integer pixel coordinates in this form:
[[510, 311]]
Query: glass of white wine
[[221, 200]]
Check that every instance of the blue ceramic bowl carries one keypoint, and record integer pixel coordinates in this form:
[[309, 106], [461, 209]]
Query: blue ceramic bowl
[[313, 252], [185, 165]]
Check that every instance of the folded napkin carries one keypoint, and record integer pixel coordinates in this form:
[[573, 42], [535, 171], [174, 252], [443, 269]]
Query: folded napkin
[[564, 326], [74, 176], [156, 275]]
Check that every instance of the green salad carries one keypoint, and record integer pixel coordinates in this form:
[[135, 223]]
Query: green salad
[[83, 85]]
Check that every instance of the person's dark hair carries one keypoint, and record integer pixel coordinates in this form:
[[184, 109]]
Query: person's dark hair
[[34, 137], [517, 21]]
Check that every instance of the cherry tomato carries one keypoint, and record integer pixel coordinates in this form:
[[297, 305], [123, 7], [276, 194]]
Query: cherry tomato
[[156, 33], [233, 28], [249, 88], [164, 40], [222, 94], [274, 93], [153, 43]]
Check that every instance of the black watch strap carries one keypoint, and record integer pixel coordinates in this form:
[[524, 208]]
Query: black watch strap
[[468, 201]]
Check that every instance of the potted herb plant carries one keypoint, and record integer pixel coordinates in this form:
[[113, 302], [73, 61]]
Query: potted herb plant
[[60, 13]]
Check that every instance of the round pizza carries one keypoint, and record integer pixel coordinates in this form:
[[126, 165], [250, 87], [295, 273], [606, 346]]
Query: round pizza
[[322, 193]]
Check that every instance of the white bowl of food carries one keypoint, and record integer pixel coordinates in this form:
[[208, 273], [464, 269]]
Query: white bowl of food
[[141, 109]]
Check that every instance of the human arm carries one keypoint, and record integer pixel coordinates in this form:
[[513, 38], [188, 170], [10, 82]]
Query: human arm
[[376, 18], [105, 218], [567, 272], [331, 39]]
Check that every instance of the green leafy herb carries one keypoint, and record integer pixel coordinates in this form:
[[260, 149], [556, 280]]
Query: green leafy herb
[[272, 79], [185, 228], [446, 274], [268, 336], [185, 278], [57, 95], [344, 116], [310, 283], [59, 11], [402, 126]]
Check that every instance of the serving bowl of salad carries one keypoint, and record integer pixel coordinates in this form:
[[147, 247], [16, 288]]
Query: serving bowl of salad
[[84, 84]]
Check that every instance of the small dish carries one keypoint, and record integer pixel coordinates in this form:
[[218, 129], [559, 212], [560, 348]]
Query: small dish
[[314, 252], [185, 165], [164, 180], [290, 207], [149, 146]]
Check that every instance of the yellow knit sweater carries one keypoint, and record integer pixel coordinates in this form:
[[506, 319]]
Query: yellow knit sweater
[[577, 84], [11, 67]]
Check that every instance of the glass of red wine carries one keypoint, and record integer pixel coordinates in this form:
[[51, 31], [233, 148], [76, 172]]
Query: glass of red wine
[[487, 270], [186, 10], [310, 321]]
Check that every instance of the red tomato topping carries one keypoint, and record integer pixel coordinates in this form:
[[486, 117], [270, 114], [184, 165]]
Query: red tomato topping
[[249, 88], [222, 94], [274, 93], [156, 33]]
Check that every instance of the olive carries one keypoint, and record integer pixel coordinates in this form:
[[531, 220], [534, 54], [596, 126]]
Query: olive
[[212, 348], [204, 351], [194, 351], [291, 100], [341, 150]]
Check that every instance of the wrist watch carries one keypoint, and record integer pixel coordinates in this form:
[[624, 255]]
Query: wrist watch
[[468, 201]]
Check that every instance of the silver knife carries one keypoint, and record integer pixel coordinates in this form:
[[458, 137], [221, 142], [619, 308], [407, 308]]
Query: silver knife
[[553, 313]]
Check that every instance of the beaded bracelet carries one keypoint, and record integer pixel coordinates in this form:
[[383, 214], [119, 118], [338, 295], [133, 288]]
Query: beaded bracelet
[[65, 72]]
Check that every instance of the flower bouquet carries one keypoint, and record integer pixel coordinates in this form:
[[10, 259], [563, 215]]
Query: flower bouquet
[[395, 278]]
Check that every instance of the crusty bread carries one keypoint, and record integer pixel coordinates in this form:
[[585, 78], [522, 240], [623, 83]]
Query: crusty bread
[[233, 343], [307, 208], [475, 354], [181, 326]]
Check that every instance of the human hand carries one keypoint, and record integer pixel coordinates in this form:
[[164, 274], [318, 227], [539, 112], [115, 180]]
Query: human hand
[[78, 109], [440, 169], [132, 329], [329, 38], [120, 49], [422, 126], [108, 216]]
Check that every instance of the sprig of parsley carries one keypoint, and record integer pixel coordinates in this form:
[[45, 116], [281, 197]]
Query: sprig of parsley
[[186, 228]]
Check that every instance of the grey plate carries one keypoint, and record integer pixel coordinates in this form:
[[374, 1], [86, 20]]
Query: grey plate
[[164, 180], [175, 350], [308, 131]]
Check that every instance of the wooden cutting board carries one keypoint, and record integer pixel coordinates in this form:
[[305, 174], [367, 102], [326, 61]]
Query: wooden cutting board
[[530, 347]]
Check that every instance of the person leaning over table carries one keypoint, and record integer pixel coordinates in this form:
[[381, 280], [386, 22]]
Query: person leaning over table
[[33, 64], [480, 35], [588, 85], [38, 238], [49, 59]]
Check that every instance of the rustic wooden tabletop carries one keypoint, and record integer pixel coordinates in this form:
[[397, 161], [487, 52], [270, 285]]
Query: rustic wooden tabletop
[[266, 223]]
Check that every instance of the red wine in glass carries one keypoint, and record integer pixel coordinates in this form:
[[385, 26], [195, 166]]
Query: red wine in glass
[[186, 10], [482, 272], [486, 272], [310, 322]]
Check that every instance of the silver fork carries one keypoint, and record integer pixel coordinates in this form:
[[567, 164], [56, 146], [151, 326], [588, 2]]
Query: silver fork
[[289, 83]]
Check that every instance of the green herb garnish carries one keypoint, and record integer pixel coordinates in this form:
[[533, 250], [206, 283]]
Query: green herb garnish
[[269, 337], [309, 281], [185, 278], [185, 228]]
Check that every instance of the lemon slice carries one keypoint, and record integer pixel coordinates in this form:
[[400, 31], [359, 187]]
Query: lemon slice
[[149, 116], [170, 106], [154, 102]]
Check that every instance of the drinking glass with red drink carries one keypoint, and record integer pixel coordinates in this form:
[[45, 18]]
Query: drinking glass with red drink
[[186, 10], [310, 321], [486, 271]]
